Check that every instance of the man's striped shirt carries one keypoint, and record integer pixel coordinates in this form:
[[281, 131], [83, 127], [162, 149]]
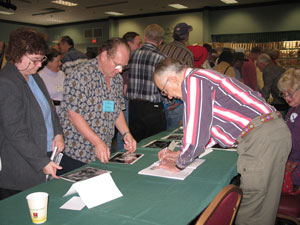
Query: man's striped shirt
[[177, 50], [217, 109]]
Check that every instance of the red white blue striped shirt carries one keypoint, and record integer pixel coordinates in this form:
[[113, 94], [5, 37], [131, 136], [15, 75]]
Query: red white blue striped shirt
[[216, 110]]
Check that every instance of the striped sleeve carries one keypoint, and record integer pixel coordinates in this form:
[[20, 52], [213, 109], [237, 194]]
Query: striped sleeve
[[198, 98]]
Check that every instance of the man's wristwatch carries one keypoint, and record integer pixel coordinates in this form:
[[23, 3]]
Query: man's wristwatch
[[125, 133]]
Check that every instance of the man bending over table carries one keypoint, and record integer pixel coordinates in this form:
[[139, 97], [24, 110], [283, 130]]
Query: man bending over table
[[92, 106], [220, 109]]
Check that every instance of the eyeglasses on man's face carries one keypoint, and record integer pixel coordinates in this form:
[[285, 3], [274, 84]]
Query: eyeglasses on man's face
[[119, 66], [163, 91], [36, 61], [288, 95]]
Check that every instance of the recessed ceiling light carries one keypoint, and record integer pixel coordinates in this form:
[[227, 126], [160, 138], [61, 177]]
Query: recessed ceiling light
[[229, 1], [115, 13], [178, 6], [6, 13], [66, 3]]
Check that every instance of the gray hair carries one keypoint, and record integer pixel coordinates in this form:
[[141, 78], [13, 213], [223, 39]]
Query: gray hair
[[290, 80], [264, 58], [170, 65]]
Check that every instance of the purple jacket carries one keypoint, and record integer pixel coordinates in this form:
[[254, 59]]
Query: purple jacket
[[293, 122]]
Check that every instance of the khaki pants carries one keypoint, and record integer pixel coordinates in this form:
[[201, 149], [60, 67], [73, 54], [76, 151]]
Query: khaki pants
[[263, 153]]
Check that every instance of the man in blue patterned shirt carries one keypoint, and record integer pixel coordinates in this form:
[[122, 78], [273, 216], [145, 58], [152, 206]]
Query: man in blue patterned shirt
[[92, 106], [146, 110]]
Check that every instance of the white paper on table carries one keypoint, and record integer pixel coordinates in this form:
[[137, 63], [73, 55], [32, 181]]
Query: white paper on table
[[75, 203], [160, 172], [71, 191], [226, 149], [172, 145], [206, 152], [96, 190], [195, 164]]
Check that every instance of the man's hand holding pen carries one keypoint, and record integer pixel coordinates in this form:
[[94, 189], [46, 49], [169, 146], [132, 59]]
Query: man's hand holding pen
[[167, 159]]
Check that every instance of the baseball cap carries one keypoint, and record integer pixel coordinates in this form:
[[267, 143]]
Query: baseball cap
[[182, 29]]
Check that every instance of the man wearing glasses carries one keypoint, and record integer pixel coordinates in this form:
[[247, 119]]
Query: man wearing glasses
[[146, 110], [92, 106], [220, 109]]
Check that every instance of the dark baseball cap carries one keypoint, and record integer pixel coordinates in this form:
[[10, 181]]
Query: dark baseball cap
[[182, 29]]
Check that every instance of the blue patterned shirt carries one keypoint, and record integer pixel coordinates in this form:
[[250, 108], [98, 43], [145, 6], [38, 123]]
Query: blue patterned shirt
[[84, 92]]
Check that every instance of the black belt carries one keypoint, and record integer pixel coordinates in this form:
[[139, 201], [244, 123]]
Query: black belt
[[55, 102], [155, 104]]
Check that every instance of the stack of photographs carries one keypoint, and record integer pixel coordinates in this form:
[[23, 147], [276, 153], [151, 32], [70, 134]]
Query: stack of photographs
[[83, 174], [125, 158], [157, 144], [178, 130], [175, 137]]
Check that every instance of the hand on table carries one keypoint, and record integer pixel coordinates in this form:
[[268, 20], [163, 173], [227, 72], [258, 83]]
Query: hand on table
[[102, 152], [169, 164], [51, 169], [168, 159], [58, 141], [130, 143], [168, 154]]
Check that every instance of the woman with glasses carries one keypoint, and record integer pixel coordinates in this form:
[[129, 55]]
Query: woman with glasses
[[289, 86], [29, 126]]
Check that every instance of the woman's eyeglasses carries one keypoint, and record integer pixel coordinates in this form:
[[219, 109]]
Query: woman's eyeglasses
[[36, 61], [288, 95]]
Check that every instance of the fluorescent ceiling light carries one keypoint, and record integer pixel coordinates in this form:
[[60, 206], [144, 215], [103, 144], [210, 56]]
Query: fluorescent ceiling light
[[6, 13], [229, 1], [115, 13], [56, 21], [66, 3], [178, 6]]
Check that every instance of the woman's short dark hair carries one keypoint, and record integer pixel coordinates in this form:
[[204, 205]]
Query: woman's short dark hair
[[23, 41], [226, 56], [52, 53]]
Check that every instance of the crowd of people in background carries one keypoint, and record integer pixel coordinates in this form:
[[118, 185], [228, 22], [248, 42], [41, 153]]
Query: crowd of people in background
[[61, 97]]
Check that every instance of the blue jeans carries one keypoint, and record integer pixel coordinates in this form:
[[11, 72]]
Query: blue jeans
[[173, 117]]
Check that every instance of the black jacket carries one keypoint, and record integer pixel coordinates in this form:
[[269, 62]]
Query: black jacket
[[23, 135]]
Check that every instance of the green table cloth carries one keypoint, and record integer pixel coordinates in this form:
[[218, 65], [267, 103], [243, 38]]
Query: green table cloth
[[146, 199]]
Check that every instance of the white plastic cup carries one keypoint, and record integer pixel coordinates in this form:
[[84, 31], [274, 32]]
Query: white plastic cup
[[38, 204]]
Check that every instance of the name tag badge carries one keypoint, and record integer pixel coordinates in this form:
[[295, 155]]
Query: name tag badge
[[108, 106]]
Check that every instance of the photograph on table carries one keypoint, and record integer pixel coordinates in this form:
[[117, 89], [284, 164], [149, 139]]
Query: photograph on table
[[83, 174], [175, 137], [157, 144], [125, 158], [178, 130], [219, 147]]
